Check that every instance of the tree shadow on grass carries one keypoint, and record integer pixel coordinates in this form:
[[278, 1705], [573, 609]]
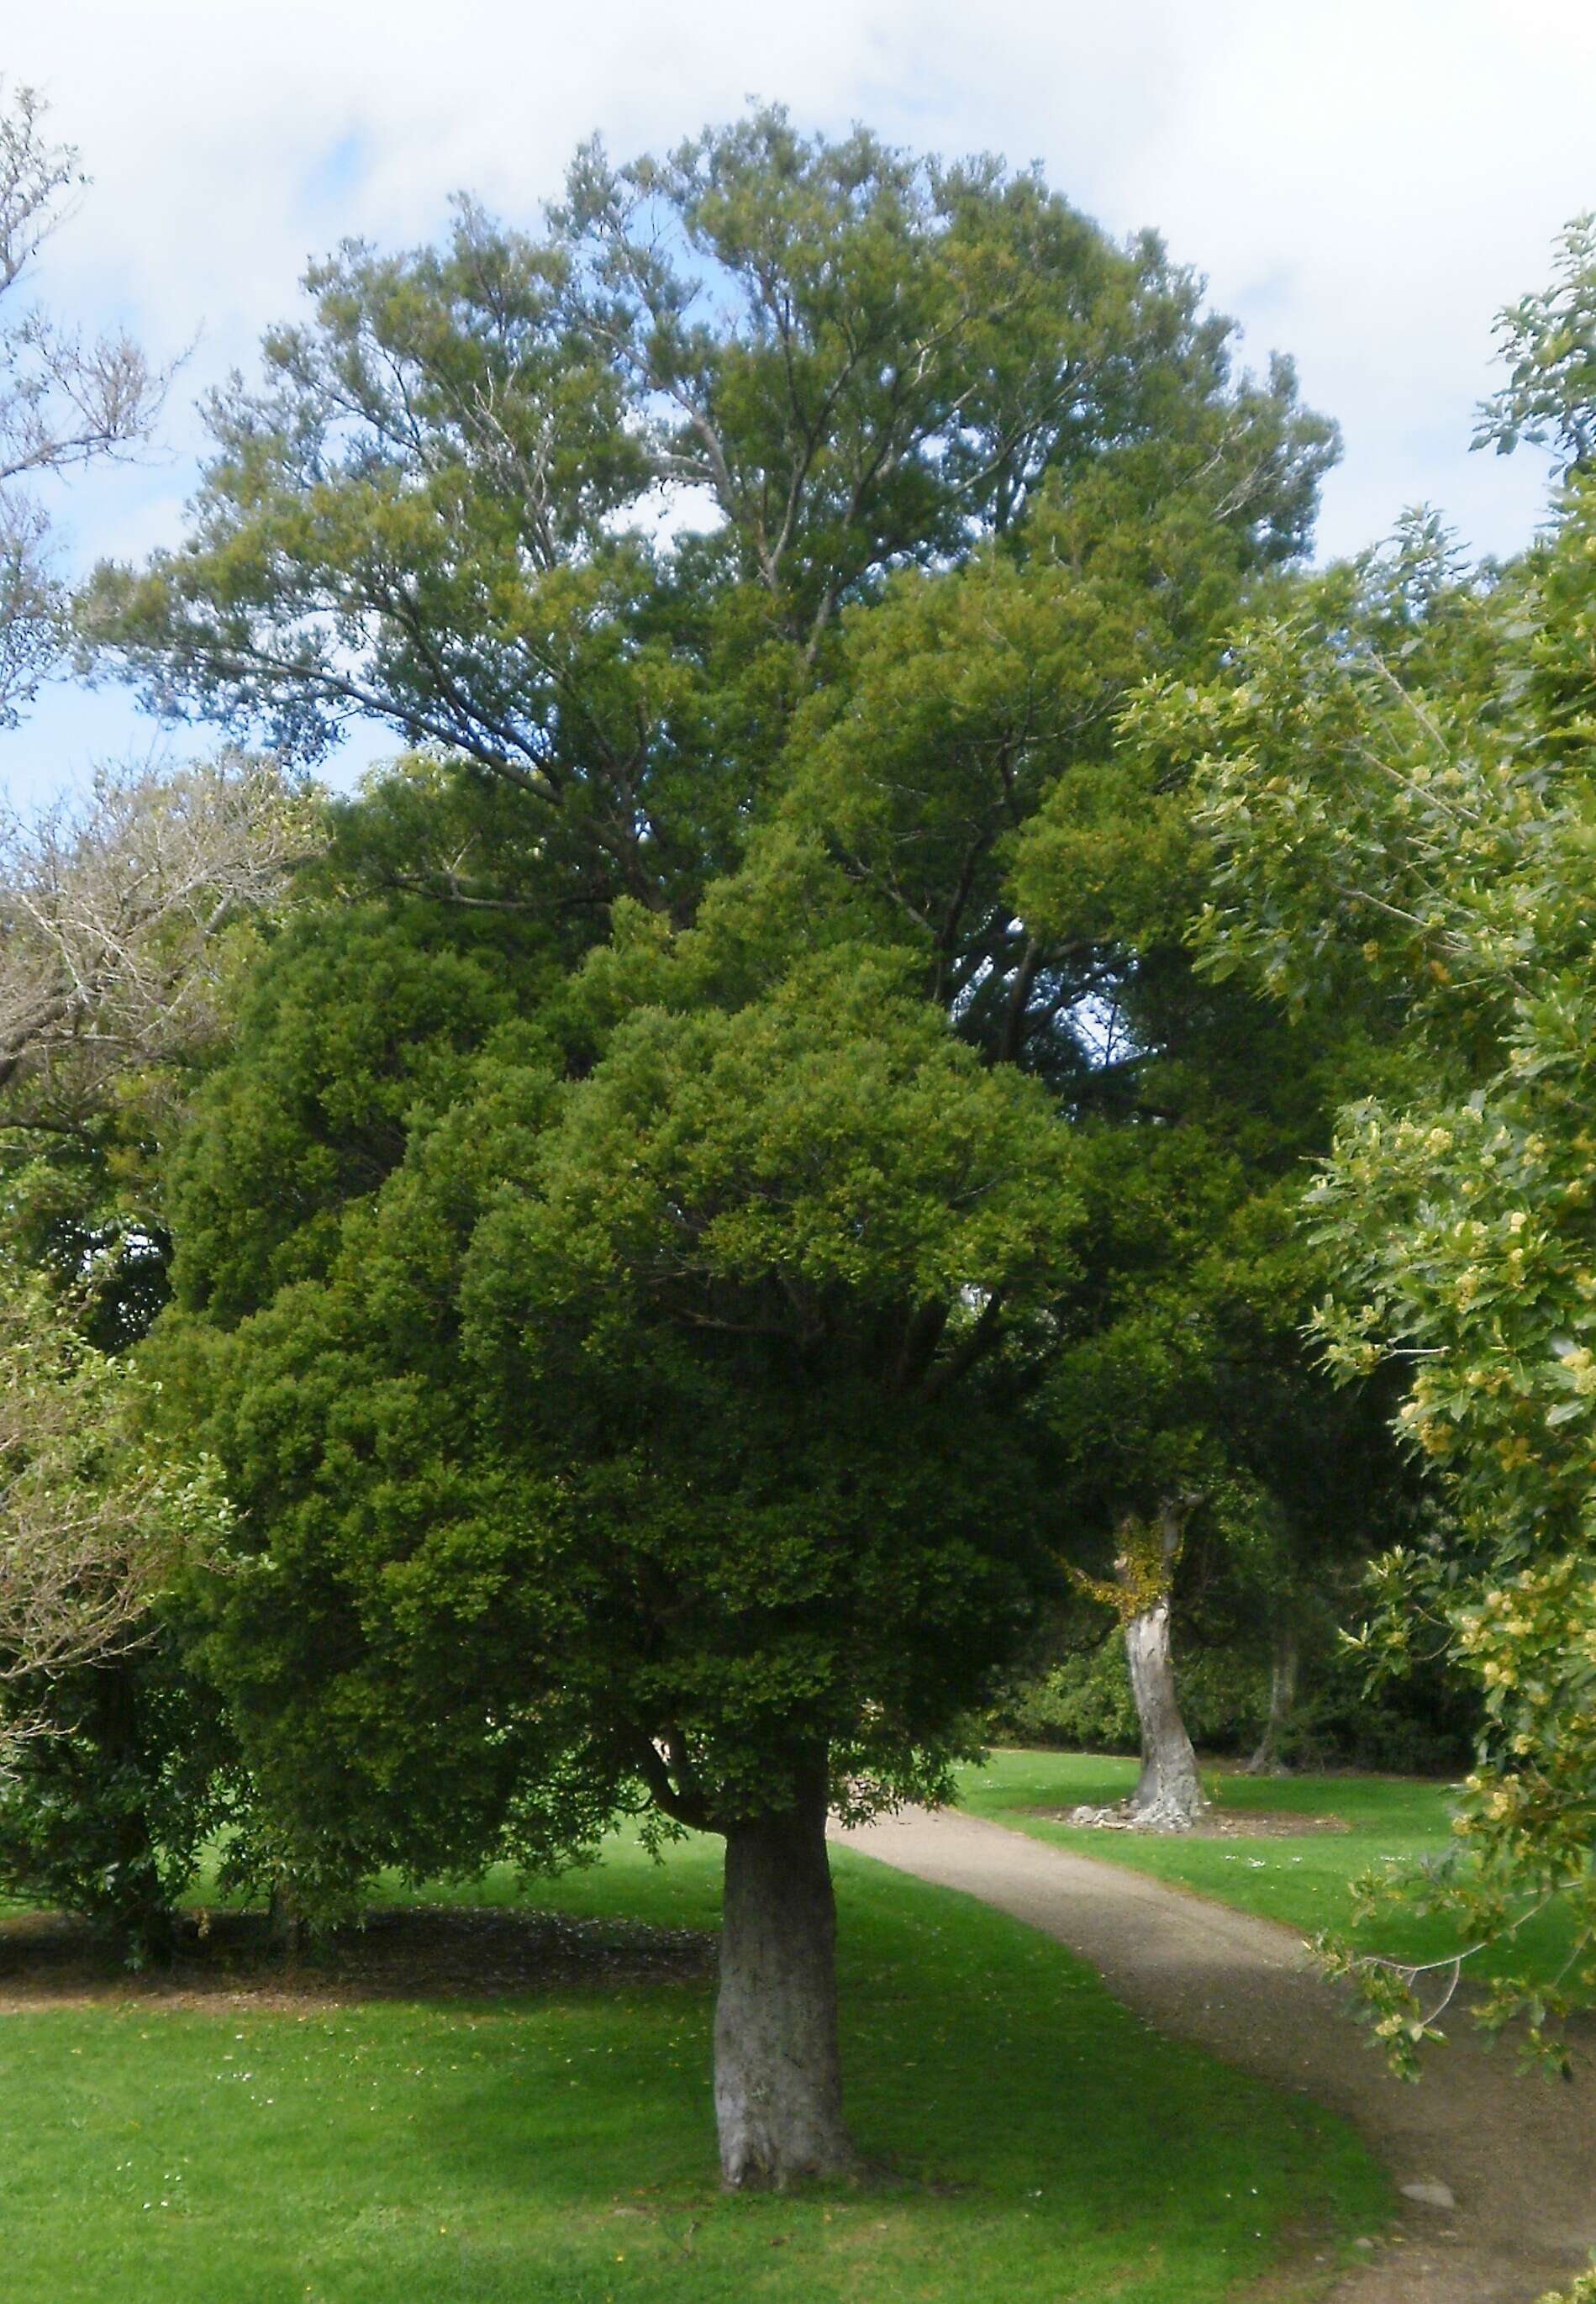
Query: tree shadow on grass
[[414, 1952]]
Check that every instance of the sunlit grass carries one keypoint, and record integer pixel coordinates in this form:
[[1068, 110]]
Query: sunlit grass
[[1303, 1882], [557, 2148]]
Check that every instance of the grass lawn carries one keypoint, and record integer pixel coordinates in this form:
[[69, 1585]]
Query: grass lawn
[[1303, 1882], [556, 2148]]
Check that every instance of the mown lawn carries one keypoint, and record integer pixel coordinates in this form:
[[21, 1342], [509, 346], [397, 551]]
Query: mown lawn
[[556, 2148], [1303, 1882]]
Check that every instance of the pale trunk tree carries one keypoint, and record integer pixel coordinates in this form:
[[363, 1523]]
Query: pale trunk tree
[[1168, 1794]]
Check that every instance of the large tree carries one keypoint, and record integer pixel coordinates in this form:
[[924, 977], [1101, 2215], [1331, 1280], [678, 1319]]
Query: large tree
[[633, 1447], [619, 1261]]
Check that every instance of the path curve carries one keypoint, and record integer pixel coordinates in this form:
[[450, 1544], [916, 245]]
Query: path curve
[[1518, 2153]]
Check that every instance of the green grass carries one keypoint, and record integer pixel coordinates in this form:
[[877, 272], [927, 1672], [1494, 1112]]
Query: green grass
[[557, 2148], [1305, 1883]]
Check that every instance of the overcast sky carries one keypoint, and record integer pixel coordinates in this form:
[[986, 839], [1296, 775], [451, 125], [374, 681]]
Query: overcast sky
[[1365, 184]]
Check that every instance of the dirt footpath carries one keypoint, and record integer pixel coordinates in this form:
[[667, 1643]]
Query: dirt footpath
[[1518, 2155]]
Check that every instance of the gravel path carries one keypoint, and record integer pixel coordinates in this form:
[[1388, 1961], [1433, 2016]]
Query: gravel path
[[1518, 2155]]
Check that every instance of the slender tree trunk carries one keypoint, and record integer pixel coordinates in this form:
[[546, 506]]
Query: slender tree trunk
[[1266, 1760], [778, 2074], [1169, 1796]]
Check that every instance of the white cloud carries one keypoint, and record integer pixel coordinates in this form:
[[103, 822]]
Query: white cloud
[[1365, 184]]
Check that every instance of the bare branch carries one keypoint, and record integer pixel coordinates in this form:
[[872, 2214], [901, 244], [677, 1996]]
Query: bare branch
[[66, 400], [89, 1525], [110, 917]]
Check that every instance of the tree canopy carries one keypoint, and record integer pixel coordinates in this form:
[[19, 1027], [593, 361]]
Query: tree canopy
[[463, 499]]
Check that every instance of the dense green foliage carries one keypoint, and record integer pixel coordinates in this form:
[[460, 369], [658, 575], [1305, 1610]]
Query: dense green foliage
[[613, 1406], [1082, 1703], [106, 1809], [1398, 783], [646, 1262]]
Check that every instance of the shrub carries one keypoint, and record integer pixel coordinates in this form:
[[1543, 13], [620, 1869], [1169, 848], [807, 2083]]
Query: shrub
[[1083, 1701]]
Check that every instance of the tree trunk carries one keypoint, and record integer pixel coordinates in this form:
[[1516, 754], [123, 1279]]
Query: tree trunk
[[778, 2074], [1266, 1760], [1167, 1795], [285, 1919]]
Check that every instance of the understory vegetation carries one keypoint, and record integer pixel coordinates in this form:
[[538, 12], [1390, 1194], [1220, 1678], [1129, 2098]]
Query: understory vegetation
[[1423, 1725]]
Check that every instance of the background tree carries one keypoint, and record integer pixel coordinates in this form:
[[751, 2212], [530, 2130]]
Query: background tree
[[965, 769], [436, 510], [112, 962], [1169, 1794]]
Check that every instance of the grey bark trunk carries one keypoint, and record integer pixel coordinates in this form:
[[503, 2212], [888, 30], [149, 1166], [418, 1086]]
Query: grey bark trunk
[[1266, 1761], [1168, 1796], [778, 2072]]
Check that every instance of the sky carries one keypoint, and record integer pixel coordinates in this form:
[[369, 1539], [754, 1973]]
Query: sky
[[1365, 184]]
